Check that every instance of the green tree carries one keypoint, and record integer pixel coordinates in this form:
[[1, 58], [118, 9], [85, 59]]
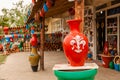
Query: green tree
[[14, 16]]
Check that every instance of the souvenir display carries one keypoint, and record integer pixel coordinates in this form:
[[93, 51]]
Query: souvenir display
[[113, 35], [89, 27]]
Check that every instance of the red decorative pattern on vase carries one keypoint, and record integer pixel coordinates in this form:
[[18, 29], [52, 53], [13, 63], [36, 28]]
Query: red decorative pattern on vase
[[75, 44]]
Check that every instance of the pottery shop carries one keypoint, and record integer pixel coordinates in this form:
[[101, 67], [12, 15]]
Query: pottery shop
[[96, 26], [97, 18], [100, 24]]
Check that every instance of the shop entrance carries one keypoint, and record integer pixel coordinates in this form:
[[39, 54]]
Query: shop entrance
[[100, 31]]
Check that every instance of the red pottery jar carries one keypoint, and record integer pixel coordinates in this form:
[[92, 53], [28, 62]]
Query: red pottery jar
[[48, 3], [33, 40], [42, 13], [106, 48], [75, 44], [6, 29]]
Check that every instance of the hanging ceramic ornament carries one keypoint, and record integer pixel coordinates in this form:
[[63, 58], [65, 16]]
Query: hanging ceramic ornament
[[40, 26], [32, 31], [32, 28], [5, 29], [19, 36], [48, 3], [11, 39], [52, 2], [21, 31], [7, 39], [42, 13], [27, 36], [37, 17], [15, 35], [12, 35], [33, 2], [29, 12], [27, 26], [45, 7]]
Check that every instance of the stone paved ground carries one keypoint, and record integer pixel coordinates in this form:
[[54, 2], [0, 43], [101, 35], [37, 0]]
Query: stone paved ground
[[17, 67]]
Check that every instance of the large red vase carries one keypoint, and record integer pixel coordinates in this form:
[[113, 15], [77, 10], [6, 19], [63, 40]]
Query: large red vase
[[75, 44]]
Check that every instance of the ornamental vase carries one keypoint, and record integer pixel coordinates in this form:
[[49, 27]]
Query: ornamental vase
[[75, 44]]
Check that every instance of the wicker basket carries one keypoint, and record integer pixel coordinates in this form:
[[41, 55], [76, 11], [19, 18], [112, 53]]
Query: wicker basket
[[117, 60]]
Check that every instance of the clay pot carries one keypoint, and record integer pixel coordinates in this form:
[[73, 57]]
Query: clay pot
[[48, 3], [5, 29], [106, 48], [34, 59], [33, 40], [42, 13], [34, 68], [75, 44]]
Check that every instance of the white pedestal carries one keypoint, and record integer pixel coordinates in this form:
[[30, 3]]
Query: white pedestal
[[69, 67]]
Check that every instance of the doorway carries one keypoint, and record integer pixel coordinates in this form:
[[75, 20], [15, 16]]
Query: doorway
[[100, 32]]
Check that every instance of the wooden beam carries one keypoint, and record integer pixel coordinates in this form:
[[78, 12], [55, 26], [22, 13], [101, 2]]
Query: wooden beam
[[58, 9], [79, 12], [38, 5]]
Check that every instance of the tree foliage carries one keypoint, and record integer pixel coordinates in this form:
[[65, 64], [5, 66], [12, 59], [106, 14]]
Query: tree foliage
[[14, 16]]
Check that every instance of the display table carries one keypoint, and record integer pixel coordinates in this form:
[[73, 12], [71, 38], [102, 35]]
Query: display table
[[68, 72], [106, 60]]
